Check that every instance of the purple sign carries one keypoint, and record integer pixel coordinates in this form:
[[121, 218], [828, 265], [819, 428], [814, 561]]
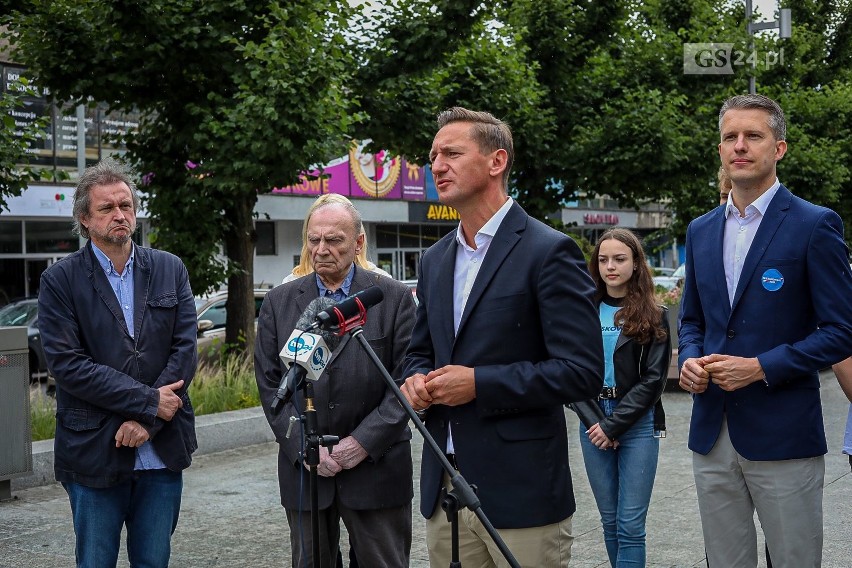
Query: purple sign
[[364, 175]]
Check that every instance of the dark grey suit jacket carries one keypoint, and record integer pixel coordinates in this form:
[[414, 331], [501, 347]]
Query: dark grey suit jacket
[[351, 397]]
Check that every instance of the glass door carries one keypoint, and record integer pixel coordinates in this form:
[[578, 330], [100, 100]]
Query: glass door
[[410, 263], [401, 264], [34, 268]]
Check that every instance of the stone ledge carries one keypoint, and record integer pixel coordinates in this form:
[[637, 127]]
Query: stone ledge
[[215, 433]]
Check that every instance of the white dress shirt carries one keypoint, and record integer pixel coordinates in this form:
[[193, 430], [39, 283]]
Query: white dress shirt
[[468, 263], [739, 234]]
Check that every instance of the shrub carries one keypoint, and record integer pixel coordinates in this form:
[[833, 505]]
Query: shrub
[[229, 385]]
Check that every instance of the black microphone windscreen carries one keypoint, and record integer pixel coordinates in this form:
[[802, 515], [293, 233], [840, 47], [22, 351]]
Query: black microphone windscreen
[[310, 315], [371, 296], [368, 297]]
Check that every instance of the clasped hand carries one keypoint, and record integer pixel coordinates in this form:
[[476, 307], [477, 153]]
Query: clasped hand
[[169, 402], [345, 455], [132, 434], [452, 385], [727, 371], [600, 439]]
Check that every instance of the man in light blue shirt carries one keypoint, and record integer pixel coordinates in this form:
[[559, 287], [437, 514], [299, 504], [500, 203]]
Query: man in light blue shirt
[[757, 324], [119, 327]]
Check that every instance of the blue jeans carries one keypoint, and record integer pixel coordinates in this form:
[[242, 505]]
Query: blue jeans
[[148, 504], [621, 481]]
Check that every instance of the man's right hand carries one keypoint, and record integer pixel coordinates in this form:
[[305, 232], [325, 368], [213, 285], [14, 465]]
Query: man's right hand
[[693, 377], [169, 401], [415, 392], [327, 467]]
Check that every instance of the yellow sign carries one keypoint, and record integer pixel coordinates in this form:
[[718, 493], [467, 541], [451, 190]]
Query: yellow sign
[[442, 213]]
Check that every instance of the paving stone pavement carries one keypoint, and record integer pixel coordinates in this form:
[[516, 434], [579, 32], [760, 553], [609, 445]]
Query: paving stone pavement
[[231, 514]]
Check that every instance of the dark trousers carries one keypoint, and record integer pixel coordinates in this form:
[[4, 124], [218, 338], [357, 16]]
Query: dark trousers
[[380, 538]]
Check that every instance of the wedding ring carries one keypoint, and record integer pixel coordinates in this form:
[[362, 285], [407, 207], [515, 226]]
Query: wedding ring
[[691, 385]]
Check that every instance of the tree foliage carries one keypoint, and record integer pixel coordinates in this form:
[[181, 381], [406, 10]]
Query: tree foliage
[[599, 102], [239, 96]]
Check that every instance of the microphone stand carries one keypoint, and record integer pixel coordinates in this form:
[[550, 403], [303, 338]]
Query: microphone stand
[[313, 441], [311, 456], [462, 494]]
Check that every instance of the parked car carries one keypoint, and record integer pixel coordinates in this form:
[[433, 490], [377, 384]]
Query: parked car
[[212, 317], [25, 313], [669, 282]]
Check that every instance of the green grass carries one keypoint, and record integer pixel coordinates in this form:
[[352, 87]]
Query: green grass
[[42, 418], [215, 388], [226, 386]]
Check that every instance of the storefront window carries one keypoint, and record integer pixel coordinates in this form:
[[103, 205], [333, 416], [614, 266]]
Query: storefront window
[[11, 240], [409, 236], [386, 236], [265, 245], [50, 236]]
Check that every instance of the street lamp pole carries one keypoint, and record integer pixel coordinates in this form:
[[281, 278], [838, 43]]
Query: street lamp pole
[[785, 31], [749, 12]]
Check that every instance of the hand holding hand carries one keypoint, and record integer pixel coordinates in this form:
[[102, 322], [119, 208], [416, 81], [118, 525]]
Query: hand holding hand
[[327, 466], [452, 385], [693, 376], [599, 438], [415, 392], [170, 402], [732, 373], [131, 434], [348, 453]]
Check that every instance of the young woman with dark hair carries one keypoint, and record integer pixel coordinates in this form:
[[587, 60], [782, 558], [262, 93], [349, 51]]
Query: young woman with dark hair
[[621, 429]]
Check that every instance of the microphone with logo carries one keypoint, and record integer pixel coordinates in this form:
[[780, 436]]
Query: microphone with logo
[[348, 314], [305, 354]]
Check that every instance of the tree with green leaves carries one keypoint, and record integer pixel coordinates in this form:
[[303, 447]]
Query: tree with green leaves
[[598, 98], [235, 97], [239, 97]]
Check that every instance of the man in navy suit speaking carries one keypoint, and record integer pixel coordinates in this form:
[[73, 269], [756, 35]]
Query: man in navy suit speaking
[[766, 305], [506, 334]]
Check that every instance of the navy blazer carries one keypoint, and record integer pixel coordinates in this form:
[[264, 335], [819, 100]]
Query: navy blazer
[[791, 310], [532, 334], [104, 376]]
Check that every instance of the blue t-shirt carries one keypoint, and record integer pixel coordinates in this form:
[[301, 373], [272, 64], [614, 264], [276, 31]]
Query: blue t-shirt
[[610, 332]]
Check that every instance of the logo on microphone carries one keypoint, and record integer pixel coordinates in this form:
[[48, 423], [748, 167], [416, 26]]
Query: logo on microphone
[[319, 359], [301, 345]]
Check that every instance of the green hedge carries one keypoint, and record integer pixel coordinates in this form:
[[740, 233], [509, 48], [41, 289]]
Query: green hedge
[[215, 388]]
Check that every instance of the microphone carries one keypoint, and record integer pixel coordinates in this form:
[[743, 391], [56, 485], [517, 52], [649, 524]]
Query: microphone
[[349, 313], [305, 355]]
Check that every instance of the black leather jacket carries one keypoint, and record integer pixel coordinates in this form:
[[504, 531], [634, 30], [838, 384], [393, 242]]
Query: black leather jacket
[[640, 386]]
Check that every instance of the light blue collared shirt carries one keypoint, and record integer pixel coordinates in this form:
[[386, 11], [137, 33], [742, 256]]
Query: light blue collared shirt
[[468, 263], [122, 286], [739, 234], [341, 293]]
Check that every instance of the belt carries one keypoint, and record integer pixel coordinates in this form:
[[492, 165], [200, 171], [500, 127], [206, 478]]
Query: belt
[[452, 459], [609, 392]]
